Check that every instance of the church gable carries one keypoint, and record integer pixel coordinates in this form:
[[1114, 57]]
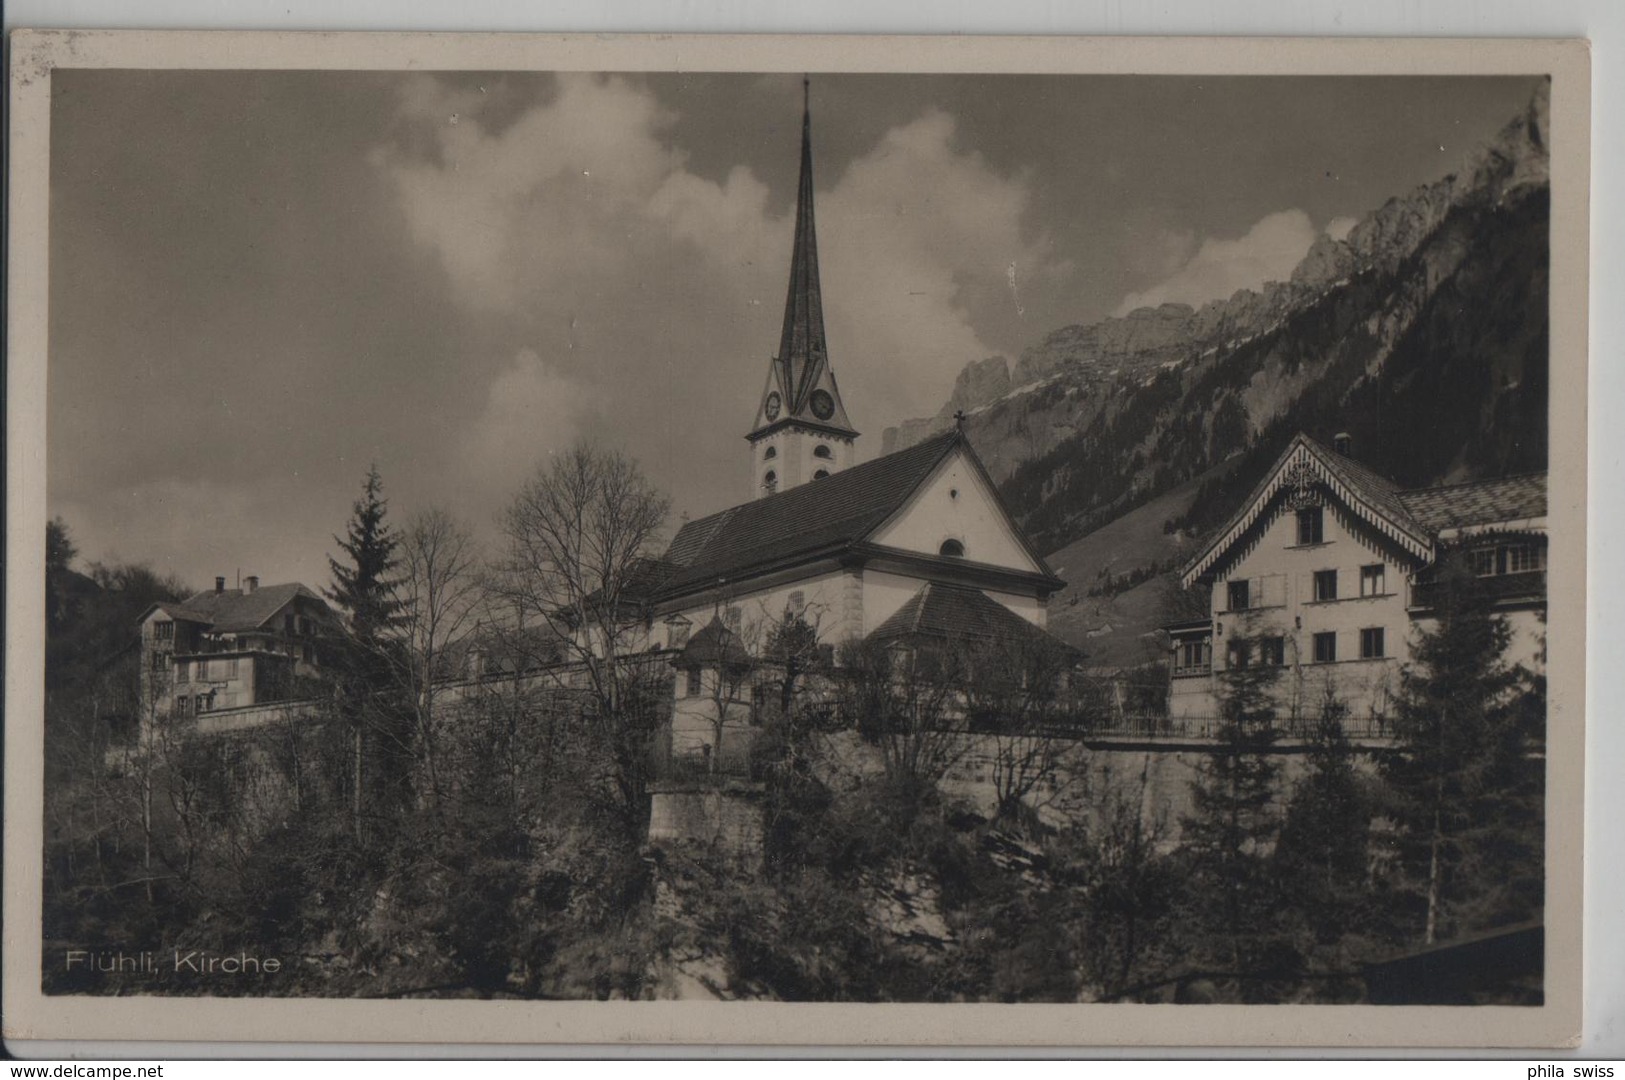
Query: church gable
[[956, 512]]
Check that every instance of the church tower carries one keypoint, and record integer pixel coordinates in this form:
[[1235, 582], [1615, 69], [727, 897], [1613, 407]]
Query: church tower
[[801, 432]]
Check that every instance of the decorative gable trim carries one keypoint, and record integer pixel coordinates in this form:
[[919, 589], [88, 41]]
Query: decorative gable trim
[[1296, 475]]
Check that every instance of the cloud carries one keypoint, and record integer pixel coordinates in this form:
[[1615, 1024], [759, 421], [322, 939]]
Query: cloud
[[531, 410], [1339, 228], [656, 291], [1268, 252]]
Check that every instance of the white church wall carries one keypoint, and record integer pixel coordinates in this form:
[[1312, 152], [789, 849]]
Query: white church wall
[[828, 601], [955, 503]]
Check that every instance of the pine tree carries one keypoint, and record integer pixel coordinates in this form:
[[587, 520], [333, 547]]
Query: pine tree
[[1468, 792], [363, 585], [364, 588], [1231, 832], [1322, 855]]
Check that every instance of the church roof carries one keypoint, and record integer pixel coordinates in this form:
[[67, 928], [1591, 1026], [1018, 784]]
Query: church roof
[[712, 644], [827, 516], [942, 611], [836, 511]]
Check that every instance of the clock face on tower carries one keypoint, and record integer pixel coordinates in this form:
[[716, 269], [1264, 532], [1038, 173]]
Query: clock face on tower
[[823, 406], [773, 405]]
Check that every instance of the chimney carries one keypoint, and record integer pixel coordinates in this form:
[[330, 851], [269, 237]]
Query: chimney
[[219, 585], [250, 583], [1343, 443]]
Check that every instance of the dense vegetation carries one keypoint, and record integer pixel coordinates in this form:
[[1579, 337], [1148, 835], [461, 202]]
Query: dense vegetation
[[396, 844]]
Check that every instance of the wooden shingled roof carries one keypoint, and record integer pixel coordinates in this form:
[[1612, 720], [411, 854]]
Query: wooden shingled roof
[[1411, 518], [1482, 502], [235, 609]]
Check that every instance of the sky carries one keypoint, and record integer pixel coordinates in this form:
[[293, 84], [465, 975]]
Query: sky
[[263, 282]]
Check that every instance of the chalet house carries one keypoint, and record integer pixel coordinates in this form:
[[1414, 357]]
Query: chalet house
[[1325, 570], [232, 648]]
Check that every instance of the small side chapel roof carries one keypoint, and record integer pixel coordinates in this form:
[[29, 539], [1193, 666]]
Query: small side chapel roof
[[713, 644], [958, 612], [833, 513]]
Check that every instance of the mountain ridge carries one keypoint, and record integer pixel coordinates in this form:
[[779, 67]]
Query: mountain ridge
[[1423, 333]]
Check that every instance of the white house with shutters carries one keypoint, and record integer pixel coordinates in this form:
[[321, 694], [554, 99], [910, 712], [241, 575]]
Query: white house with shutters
[[1325, 573]]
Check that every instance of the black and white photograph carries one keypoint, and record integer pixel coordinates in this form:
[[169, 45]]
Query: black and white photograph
[[787, 536]]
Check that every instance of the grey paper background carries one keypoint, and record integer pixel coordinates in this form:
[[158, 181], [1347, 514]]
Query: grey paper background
[[1599, 20]]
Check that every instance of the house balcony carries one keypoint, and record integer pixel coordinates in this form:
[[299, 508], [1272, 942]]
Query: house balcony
[[1528, 586]]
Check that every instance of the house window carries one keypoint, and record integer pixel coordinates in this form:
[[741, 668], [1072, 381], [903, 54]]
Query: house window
[[1238, 654], [160, 660], [1272, 651], [183, 705], [822, 451], [204, 702], [820, 474], [1311, 525], [772, 452], [1371, 643], [771, 480], [1481, 561], [693, 688], [1326, 648], [1325, 584], [1192, 658], [231, 668], [202, 671], [796, 602], [1522, 558], [1238, 596], [164, 631], [952, 549], [1373, 580]]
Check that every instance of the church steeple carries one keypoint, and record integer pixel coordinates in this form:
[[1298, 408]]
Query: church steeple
[[801, 431]]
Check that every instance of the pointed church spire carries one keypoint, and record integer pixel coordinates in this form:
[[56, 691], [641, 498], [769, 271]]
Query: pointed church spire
[[802, 349], [801, 431]]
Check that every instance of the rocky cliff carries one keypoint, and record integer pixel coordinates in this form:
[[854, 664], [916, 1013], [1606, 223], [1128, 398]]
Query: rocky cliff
[[1422, 332]]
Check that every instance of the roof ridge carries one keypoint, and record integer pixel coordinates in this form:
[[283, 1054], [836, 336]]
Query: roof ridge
[[1526, 475], [945, 438]]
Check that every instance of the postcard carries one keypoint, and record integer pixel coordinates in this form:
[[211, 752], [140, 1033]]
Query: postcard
[[796, 541]]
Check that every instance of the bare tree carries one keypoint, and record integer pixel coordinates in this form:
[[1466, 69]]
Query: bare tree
[[907, 701], [1015, 691], [439, 593], [580, 559]]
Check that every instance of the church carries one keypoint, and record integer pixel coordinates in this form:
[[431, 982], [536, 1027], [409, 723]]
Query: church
[[911, 549], [920, 534]]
